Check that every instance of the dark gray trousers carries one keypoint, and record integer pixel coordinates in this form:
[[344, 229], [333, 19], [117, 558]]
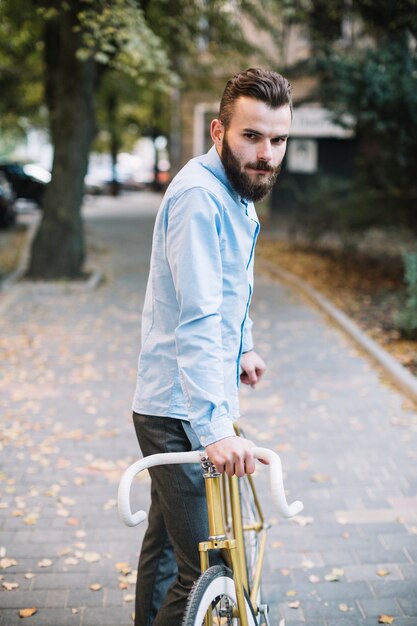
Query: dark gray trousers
[[169, 562]]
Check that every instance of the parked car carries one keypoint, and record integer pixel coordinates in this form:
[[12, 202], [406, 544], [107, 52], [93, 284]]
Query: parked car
[[7, 199], [27, 181]]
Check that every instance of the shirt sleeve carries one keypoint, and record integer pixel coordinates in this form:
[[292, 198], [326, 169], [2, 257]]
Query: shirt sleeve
[[247, 341], [193, 251]]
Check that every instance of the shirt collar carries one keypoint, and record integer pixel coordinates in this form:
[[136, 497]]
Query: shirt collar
[[213, 162]]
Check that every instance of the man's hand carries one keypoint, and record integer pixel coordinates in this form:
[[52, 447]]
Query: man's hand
[[253, 368], [232, 455]]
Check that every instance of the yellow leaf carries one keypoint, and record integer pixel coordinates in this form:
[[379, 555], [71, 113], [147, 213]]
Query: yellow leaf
[[27, 612], [383, 572], [95, 587], [385, 619], [291, 592], [45, 563], [343, 607]]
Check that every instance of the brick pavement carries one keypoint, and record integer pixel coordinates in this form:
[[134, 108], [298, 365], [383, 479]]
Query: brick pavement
[[347, 440]]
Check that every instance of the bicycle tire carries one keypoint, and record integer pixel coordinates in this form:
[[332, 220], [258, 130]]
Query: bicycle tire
[[215, 591]]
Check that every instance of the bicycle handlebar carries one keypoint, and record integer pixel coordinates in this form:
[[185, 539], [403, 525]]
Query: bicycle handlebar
[[174, 458]]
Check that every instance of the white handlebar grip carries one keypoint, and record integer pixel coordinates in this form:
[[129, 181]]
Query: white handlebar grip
[[276, 483], [123, 496]]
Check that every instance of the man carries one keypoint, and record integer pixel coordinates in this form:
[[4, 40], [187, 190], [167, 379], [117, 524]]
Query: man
[[196, 332]]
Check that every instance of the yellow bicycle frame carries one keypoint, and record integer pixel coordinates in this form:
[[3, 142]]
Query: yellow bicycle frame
[[226, 532]]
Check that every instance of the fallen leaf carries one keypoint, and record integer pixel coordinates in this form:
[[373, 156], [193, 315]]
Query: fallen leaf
[[73, 521], [285, 572], [66, 501], [64, 551], [95, 587], [5, 563], [294, 605], [307, 564], [9, 586], [277, 544], [383, 572], [129, 597], [45, 563], [91, 557], [314, 579], [27, 612], [29, 575], [385, 619], [74, 611], [320, 478], [71, 561], [335, 575], [343, 607], [302, 520], [123, 568], [31, 519], [291, 592]]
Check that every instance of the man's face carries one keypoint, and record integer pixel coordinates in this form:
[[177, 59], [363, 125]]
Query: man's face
[[253, 146]]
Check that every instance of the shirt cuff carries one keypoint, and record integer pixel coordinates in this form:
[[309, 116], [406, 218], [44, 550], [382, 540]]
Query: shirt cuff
[[219, 427]]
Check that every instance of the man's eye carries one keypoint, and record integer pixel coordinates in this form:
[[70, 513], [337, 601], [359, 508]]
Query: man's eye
[[250, 136]]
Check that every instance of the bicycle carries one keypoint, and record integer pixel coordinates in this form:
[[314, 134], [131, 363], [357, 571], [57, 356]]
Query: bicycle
[[229, 594]]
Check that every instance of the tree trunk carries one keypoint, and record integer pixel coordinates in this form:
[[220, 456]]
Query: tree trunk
[[58, 248]]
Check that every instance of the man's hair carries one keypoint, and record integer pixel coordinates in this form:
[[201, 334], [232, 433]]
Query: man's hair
[[265, 85]]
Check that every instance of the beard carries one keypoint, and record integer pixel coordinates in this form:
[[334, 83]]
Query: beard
[[253, 190]]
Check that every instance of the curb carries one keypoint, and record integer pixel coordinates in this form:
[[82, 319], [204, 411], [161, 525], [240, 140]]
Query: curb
[[400, 376], [12, 285]]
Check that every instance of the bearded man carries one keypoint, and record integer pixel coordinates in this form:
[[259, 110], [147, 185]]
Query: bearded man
[[196, 332]]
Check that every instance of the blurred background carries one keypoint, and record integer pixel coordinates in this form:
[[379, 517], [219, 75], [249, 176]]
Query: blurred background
[[113, 98]]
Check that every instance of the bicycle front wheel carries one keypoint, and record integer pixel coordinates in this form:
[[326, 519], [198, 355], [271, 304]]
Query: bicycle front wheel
[[215, 592]]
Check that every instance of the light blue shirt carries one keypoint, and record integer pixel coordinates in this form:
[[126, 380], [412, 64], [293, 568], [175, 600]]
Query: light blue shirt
[[195, 322]]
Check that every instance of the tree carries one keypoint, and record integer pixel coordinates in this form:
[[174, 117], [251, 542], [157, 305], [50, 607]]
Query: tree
[[369, 71], [80, 40]]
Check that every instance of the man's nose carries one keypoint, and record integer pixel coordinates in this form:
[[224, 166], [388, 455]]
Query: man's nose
[[265, 151]]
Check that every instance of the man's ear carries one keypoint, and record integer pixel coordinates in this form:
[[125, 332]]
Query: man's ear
[[217, 133]]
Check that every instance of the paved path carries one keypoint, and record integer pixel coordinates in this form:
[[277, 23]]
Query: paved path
[[348, 442]]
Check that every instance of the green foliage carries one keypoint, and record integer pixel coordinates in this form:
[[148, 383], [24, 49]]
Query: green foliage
[[407, 319], [20, 69], [368, 72]]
